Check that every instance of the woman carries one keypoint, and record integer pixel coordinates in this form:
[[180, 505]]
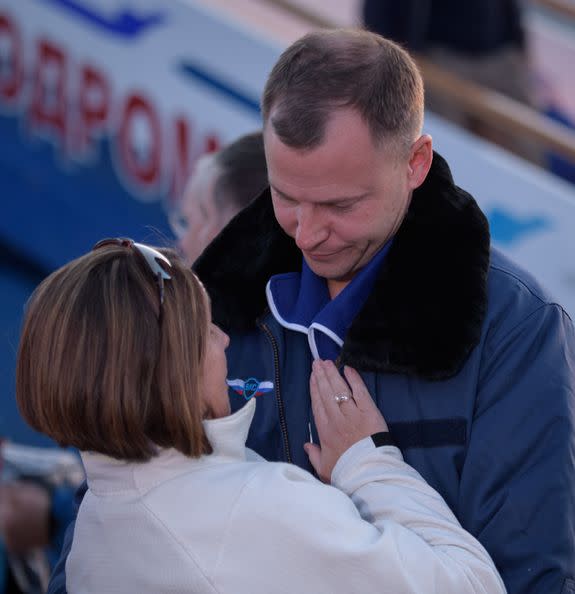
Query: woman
[[118, 358]]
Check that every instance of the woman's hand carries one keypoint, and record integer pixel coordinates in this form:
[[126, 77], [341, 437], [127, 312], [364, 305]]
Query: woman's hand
[[344, 414]]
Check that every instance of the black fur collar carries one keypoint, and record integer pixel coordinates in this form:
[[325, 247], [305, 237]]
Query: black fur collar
[[425, 313]]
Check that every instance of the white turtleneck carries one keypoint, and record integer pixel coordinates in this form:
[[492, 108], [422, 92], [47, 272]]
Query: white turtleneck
[[227, 436], [230, 522]]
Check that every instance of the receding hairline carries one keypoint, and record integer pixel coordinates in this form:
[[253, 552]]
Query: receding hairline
[[397, 144]]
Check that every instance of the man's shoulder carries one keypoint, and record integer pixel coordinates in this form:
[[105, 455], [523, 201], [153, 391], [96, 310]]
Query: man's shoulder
[[515, 294], [509, 279]]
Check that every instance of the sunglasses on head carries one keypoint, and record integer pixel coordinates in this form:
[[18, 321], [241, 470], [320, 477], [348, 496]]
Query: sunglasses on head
[[151, 256]]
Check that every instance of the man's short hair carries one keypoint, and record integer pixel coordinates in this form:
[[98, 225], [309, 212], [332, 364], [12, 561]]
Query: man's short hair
[[330, 69], [100, 370], [241, 171]]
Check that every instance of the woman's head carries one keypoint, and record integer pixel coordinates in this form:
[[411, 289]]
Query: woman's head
[[108, 364]]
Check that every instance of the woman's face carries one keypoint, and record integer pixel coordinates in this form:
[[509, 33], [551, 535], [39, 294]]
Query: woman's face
[[215, 388]]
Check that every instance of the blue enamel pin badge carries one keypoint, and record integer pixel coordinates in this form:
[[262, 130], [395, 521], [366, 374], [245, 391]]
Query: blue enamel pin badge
[[250, 387]]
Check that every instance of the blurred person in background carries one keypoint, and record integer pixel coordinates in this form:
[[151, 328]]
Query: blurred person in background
[[222, 184], [483, 41], [175, 501], [34, 514]]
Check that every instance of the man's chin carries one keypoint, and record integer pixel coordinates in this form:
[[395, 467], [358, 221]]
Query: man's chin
[[330, 271]]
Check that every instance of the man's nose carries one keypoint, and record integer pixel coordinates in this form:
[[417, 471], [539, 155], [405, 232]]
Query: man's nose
[[311, 229]]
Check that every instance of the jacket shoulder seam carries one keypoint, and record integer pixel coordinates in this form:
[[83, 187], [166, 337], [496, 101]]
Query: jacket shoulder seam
[[180, 544], [537, 295], [247, 483]]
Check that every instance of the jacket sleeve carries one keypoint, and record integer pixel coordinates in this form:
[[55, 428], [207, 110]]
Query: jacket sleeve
[[517, 490], [57, 583], [387, 531]]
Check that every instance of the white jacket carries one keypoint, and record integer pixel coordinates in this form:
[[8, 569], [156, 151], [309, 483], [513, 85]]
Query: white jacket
[[233, 523]]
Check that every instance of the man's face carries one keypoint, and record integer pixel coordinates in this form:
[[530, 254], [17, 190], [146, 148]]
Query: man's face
[[199, 220], [341, 201]]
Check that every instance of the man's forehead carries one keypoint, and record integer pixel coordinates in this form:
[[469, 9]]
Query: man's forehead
[[327, 194]]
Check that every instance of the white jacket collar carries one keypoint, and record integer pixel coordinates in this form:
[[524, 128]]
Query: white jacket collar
[[227, 436]]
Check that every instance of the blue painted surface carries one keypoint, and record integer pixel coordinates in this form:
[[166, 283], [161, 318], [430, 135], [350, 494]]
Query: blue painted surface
[[125, 23], [49, 216], [230, 91], [16, 289], [559, 165], [507, 229]]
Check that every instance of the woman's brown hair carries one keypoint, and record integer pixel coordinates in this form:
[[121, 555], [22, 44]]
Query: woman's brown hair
[[104, 367]]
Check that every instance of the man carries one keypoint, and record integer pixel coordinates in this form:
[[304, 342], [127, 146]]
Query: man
[[221, 184], [365, 251]]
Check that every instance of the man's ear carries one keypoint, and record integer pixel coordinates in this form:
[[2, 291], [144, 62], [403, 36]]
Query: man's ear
[[420, 158]]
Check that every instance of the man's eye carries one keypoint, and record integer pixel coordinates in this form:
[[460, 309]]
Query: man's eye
[[343, 207], [283, 199]]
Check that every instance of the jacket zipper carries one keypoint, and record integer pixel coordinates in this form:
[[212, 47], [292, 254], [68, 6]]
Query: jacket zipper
[[279, 400]]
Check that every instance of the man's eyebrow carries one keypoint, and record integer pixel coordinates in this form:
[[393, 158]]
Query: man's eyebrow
[[282, 194], [333, 202]]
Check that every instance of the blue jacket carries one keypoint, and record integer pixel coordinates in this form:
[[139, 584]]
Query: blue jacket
[[471, 362]]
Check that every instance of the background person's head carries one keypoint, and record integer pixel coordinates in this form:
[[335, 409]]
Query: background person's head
[[343, 113], [222, 184], [104, 366]]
